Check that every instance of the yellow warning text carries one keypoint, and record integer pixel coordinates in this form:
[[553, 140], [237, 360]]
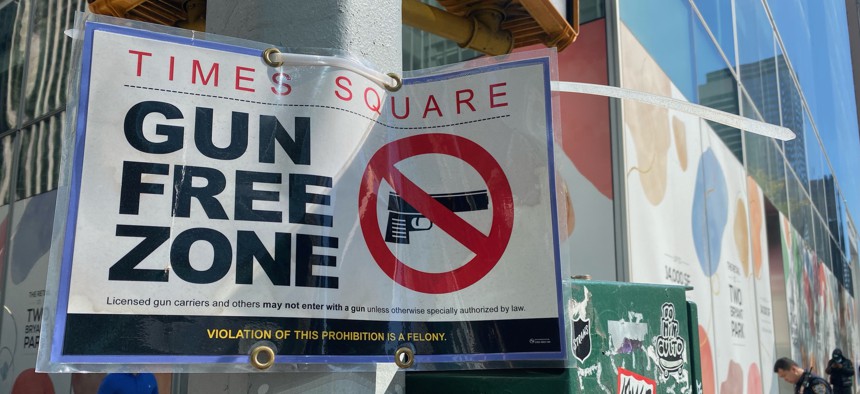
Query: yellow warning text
[[223, 333]]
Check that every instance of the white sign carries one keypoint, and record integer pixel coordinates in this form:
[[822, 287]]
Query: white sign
[[218, 204]]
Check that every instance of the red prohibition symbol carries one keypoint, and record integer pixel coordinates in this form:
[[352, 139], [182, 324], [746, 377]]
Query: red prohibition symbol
[[488, 249]]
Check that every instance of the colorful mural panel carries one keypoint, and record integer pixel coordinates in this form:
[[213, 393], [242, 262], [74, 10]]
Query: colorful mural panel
[[661, 176], [25, 292], [819, 310], [696, 219]]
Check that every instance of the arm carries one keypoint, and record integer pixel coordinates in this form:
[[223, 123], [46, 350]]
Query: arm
[[841, 368], [820, 386]]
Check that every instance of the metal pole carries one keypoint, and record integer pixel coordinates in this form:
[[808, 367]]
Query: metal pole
[[370, 29]]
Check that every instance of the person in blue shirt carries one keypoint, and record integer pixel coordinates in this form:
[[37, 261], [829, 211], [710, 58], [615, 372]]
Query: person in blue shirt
[[129, 383]]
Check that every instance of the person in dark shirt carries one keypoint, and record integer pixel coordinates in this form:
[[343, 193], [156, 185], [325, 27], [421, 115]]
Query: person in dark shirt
[[805, 382], [129, 383], [841, 372]]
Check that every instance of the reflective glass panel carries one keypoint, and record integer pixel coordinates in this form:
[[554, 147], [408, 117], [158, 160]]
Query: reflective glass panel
[[423, 50], [589, 10], [840, 270], [765, 163], [851, 259], [39, 157], [832, 202], [793, 24], [757, 58], [50, 56], [718, 15], [844, 241], [822, 243], [12, 55], [717, 87], [815, 163], [766, 167], [7, 149], [795, 118], [663, 28], [816, 41], [7, 152], [799, 209]]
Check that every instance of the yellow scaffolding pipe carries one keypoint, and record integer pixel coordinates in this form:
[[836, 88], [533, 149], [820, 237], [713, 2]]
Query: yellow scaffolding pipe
[[480, 31]]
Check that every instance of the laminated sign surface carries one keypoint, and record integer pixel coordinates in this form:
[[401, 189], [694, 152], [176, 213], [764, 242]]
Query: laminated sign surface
[[217, 203]]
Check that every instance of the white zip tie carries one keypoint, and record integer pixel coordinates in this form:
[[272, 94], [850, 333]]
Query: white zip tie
[[739, 122], [276, 58]]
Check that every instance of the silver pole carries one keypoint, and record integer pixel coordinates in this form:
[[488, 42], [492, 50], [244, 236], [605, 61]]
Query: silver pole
[[370, 29]]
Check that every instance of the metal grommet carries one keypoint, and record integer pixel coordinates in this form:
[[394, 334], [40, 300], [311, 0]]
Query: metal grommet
[[398, 83], [262, 357], [267, 57], [404, 357]]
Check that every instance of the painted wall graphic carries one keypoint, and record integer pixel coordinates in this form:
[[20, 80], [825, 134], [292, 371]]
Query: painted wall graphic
[[696, 219], [25, 293], [847, 315], [761, 277], [732, 286], [710, 197], [798, 288], [816, 304], [661, 180]]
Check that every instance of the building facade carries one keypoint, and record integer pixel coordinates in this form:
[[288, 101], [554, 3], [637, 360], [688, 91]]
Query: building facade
[[760, 228]]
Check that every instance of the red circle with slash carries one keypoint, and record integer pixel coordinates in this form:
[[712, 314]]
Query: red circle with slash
[[488, 249]]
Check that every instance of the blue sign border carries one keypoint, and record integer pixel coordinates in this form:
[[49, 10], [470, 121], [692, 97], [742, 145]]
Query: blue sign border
[[59, 333]]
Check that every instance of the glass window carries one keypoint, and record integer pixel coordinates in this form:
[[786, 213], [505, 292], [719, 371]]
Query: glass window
[[39, 158], [12, 55], [822, 243], [852, 259], [757, 58], [7, 149], [815, 163], [663, 28], [795, 30], [50, 57], [816, 40], [717, 87], [423, 50], [718, 15], [840, 269], [765, 165], [589, 10], [799, 209], [831, 216], [844, 240], [795, 118]]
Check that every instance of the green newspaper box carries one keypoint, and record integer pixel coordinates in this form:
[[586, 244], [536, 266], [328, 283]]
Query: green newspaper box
[[624, 338]]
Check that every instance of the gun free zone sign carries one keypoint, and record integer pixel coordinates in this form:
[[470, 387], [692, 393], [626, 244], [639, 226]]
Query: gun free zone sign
[[225, 204]]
